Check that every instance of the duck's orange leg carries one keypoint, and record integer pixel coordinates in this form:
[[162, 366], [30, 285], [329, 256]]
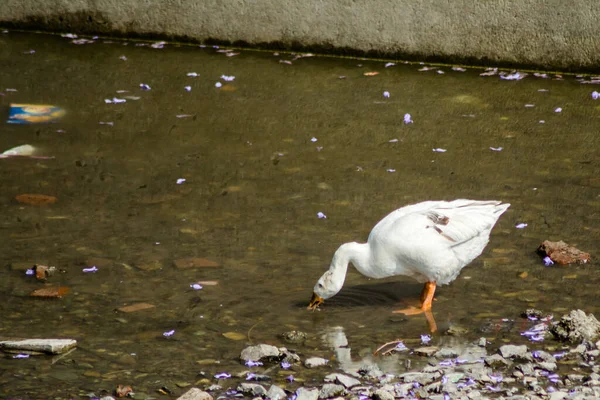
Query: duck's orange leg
[[426, 300]]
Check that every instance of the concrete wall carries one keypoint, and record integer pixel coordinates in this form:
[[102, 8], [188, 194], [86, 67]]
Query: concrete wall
[[548, 33]]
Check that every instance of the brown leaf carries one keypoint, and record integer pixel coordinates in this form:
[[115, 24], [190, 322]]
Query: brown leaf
[[194, 262], [122, 390], [36, 199], [234, 336], [214, 283], [371, 73], [53, 291], [41, 272], [136, 307]]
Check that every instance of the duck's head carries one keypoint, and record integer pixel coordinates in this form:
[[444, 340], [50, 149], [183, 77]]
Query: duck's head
[[325, 288]]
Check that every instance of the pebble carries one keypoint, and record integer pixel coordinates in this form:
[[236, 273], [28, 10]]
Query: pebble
[[331, 390], [276, 393], [253, 389], [195, 394], [446, 352], [314, 362], [259, 352], [495, 360], [307, 393], [427, 351], [346, 381], [513, 351], [381, 394]]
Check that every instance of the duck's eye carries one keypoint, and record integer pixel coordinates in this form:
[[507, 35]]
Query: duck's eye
[[320, 285]]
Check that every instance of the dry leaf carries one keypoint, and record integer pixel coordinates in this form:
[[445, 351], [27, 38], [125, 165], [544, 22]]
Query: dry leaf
[[136, 307], [122, 391], [371, 73], [53, 291], [212, 283], [234, 336], [191, 262], [36, 199]]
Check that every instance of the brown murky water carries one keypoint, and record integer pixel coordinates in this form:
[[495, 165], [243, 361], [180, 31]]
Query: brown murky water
[[255, 181]]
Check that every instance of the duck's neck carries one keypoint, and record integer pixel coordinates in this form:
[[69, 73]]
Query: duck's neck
[[358, 254]]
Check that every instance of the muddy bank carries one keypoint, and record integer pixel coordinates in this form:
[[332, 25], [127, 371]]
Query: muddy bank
[[510, 32]]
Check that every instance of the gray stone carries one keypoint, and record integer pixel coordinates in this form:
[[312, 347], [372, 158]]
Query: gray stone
[[543, 355], [330, 390], [495, 360], [558, 395], [446, 352], [426, 351], [575, 377], [253, 389], [289, 356], [548, 366], [260, 352], [576, 327], [342, 379], [526, 369], [276, 393], [513, 351], [482, 342], [195, 394], [307, 393], [419, 377], [370, 371], [314, 362], [52, 346], [381, 394]]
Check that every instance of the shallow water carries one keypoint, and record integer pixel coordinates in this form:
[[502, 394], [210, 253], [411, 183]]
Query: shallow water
[[255, 182]]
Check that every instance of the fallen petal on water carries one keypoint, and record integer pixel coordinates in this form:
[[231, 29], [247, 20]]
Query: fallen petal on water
[[320, 215], [169, 333], [521, 225], [92, 269]]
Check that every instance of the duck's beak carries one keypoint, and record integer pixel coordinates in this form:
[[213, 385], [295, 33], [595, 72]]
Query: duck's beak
[[315, 301]]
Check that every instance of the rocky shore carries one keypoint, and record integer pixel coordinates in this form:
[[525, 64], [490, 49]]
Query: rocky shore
[[559, 363]]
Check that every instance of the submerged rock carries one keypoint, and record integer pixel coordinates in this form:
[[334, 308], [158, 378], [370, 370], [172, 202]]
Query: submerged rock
[[52, 346], [195, 394], [253, 389], [513, 351], [576, 327], [342, 379], [331, 390], [294, 336], [561, 253], [307, 393], [260, 352], [314, 362], [276, 393]]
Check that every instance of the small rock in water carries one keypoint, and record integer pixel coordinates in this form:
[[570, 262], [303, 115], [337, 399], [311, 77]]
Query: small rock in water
[[261, 352], [314, 362], [495, 360], [294, 336], [576, 327], [427, 351], [307, 393], [276, 393], [446, 353], [381, 394], [51, 346], [253, 389], [561, 253], [513, 351], [342, 379], [195, 394], [330, 390]]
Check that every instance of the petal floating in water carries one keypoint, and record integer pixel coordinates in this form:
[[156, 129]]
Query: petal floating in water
[[320, 215]]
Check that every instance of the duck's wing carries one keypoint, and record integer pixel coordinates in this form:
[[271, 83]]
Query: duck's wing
[[462, 220]]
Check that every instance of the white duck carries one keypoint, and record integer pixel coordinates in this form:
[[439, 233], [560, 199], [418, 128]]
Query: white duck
[[430, 241]]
